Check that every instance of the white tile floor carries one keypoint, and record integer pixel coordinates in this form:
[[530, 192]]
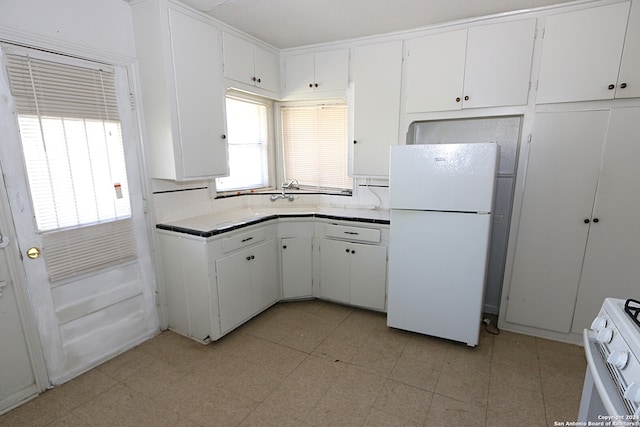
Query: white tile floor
[[319, 364]]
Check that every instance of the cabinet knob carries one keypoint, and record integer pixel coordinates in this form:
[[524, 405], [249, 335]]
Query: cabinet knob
[[353, 252], [347, 251], [623, 85], [355, 142], [253, 78], [596, 220], [612, 87], [586, 221], [466, 98], [223, 136], [248, 258], [259, 80], [315, 84], [284, 247], [310, 84], [458, 99]]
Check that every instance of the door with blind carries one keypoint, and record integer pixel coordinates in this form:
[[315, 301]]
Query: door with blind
[[70, 161]]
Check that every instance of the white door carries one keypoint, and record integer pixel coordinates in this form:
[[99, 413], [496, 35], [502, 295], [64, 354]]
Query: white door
[[561, 181], [296, 259], [335, 270], [85, 318], [611, 267], [368, 276]]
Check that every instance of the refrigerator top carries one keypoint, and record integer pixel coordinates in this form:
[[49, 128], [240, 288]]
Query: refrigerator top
[[443, 177]]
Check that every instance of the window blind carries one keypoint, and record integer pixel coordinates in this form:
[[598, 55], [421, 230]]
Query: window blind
[[73, 150], [315, 146]]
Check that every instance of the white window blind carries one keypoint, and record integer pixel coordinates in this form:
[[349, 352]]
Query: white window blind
[[315, 146], [73, 150], [247, 129]]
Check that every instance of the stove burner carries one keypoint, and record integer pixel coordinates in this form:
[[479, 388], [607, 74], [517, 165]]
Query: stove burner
[[633, 310]]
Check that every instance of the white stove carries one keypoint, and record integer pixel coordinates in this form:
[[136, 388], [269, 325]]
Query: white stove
[[611, 390]]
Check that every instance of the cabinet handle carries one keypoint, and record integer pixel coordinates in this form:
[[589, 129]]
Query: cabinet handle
[[353, 233], [596, 220], [466, 98], [623, 85], [612, 87], [458, 99], [247, 239], [586, 221]]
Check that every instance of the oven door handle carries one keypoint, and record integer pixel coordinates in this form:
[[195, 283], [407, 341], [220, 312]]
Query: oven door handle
[[607, 389]]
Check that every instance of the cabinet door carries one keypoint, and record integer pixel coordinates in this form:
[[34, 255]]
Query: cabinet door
[[561, 180], [331, 70], [376, 74], [234, 290], [498, 64], [238, 59], [611, 267], [195, 49], [581, 54], [267, 69], [369, 276], [296, 258], [629, 78], [435, 72], [265, 284], [335, 274], [298, 71]]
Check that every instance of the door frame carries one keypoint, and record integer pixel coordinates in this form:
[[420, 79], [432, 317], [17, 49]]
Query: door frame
[[18, 279]]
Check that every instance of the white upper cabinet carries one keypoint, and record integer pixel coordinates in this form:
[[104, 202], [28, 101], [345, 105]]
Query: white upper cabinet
[[250, 64], [179, 56], [482, 66], [629, 77], [325, 71], [581, 55], [376, 72]]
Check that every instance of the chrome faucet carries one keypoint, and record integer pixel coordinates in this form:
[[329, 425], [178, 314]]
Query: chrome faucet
[[291, 184]]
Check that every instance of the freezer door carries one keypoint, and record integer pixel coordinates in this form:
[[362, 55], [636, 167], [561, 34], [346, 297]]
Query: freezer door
[[443, 177], [437, 269]]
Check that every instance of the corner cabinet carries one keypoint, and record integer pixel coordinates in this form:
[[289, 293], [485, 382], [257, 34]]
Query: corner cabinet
[[297, 267], [179, 57], [483, 66], [251, 65], [578, 237], [585, 55], [376, 75], [316, 74], [351, 271]]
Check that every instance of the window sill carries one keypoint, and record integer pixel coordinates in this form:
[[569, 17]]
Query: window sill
[[267, 192]]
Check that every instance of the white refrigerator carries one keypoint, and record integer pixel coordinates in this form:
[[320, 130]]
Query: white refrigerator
[[441, 198]]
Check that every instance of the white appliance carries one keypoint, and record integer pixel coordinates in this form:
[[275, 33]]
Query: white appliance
[[611, 391], [441, 199]]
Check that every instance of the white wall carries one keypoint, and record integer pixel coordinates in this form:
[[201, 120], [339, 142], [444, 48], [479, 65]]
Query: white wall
[[100, 25]]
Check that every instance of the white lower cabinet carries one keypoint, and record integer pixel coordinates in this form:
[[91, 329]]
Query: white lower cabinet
[[247, 284], [296, 258], [353, 273]]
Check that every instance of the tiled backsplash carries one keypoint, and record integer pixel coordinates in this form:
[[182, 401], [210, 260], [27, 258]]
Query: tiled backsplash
[[174, 201]]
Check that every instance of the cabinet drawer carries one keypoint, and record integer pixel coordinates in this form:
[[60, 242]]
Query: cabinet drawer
[[238, 241], [359, 234]]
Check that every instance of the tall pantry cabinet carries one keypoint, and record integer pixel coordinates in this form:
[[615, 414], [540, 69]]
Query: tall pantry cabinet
[[578, 240]]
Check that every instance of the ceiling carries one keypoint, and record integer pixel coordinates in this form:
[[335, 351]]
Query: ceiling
[[291, 23]]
